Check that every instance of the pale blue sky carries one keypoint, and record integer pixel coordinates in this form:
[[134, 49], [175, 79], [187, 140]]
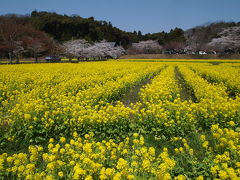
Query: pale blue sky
[[129, 15]]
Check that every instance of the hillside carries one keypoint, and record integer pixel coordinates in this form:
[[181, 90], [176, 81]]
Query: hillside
[[205, 36], [44, 33], [228, 39], [64, 28]]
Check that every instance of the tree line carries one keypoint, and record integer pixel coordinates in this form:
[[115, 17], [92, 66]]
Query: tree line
[[40, 33], [63, 27]]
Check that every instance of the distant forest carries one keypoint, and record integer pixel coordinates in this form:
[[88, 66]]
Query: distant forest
[[63, 28], [42, 32]]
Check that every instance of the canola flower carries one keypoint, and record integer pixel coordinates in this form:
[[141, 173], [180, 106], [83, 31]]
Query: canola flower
[[201, 86], [227, 74], [39, 101], [162, 103], [163, 86], [85, 158], [79, 95], [214, 106]]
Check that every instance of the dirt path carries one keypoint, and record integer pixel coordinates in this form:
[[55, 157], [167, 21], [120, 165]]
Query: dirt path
[[186, 92], [132, 96]]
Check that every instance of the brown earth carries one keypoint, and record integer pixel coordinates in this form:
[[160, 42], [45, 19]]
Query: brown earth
[[180, 56]]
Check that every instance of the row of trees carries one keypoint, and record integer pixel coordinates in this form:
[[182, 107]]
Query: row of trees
[[19, 38], [63, 27], [40, 33]]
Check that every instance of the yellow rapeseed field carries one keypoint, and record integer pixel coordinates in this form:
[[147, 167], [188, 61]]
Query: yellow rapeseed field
[[68, 121]]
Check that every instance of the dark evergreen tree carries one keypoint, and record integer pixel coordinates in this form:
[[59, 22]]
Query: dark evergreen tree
[[139, 33]]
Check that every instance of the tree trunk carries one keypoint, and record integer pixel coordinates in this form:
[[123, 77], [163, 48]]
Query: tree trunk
[[35, 57], [17, 59], [10, 56]]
